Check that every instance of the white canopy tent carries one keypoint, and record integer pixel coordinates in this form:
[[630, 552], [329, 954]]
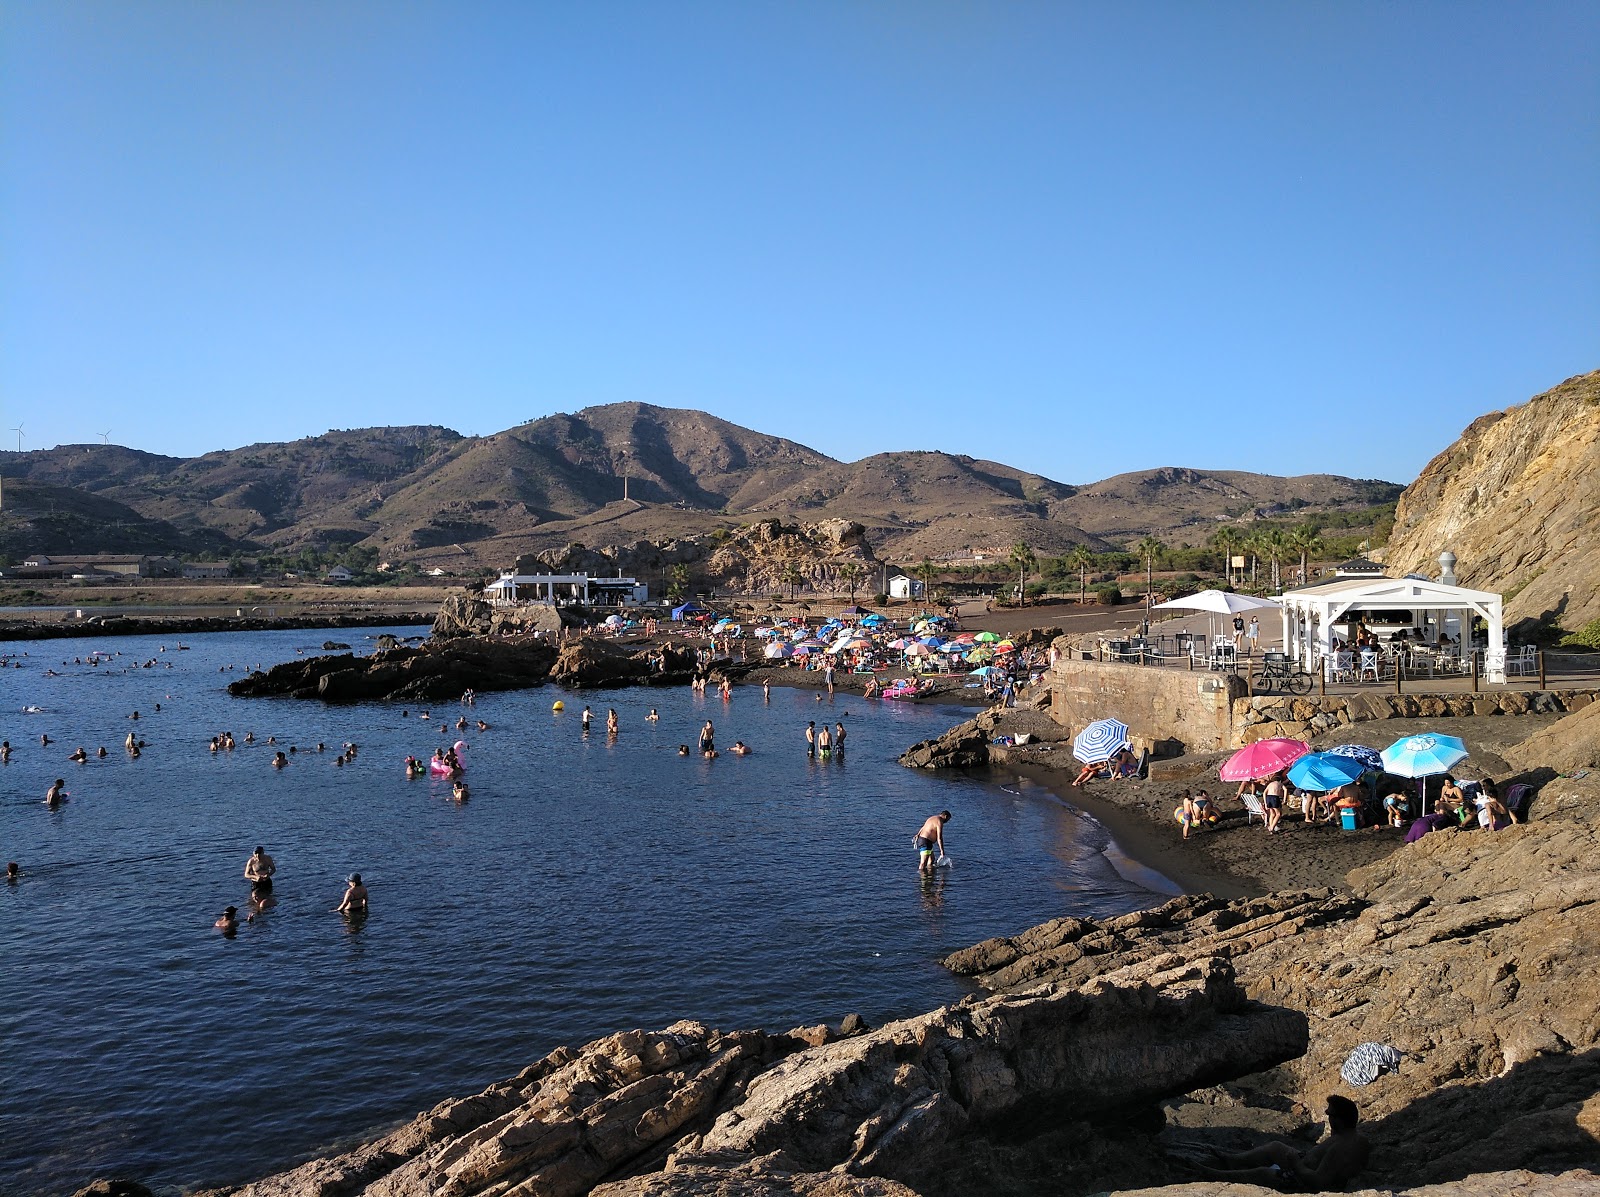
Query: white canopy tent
[[1309, 615]]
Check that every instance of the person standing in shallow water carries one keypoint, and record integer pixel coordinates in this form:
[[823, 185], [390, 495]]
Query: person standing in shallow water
[[355, 897], [258, 871], [708, 738], [929, 838]]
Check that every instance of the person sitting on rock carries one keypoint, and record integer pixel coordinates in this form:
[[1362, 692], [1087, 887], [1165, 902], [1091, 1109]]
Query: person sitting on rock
[[1328, 1166]]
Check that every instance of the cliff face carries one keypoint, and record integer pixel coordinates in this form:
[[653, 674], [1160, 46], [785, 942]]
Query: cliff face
[[1517, 500]]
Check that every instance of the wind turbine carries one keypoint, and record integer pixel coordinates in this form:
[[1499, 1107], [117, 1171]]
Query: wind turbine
[[105, 437], [18, 431]]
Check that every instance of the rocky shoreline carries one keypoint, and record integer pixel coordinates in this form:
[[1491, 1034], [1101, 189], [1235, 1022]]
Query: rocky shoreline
[[110, 624]]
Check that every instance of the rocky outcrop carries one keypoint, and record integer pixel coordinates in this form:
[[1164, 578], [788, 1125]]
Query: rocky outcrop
[[1469, 952], [1565, 746], [437, 672], [876, 1103], [707, 1105], [592, 663], [467, 613], [962, 747], [1517, 500], [770, 1176]]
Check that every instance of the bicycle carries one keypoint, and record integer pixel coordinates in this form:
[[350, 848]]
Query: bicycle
[[1277, 672]]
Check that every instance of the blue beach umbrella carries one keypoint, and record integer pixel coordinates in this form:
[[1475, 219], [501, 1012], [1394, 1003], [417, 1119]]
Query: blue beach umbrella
[[1322, 771], [1423, 755], [1358, 752], [1100, 741]]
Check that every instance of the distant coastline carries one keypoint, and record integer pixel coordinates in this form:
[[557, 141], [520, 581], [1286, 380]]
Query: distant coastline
[[112, 624]]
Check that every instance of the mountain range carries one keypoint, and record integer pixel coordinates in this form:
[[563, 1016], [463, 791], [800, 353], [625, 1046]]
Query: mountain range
[[613, 474]]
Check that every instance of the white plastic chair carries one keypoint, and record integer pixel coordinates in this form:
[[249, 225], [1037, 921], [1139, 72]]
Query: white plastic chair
[[1522, 660], [1341, 667], [1369, 664]]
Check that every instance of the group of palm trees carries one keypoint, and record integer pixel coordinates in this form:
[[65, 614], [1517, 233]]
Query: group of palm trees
[[1272, 545]]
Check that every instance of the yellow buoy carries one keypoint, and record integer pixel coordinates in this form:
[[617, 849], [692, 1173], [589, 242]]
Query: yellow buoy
[[559, 706]]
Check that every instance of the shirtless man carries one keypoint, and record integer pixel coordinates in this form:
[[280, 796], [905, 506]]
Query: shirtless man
[[229, 922], [930, 841], [1330, 1165], [838, 738], [258, 871], [355, 897], [56, 794], [811, 738]]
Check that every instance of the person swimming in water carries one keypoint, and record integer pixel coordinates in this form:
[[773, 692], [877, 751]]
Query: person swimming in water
[[460, 792], [740, 748], [652, 717], [228, 923], [683, 750], [56, 794], [80, 755]]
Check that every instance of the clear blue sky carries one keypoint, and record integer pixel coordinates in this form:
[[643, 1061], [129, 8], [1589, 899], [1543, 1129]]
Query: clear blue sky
[[1077, 238]]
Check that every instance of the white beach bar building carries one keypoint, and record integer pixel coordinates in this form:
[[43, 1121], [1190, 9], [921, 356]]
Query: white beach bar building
[[1313, 615], [584, 589]]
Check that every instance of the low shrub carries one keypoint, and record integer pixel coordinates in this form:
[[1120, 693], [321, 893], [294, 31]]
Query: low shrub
[[1108, 596]]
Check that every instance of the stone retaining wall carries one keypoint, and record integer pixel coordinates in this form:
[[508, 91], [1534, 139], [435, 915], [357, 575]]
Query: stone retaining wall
[[1266, 716], [1173, 710], [1168, 710]]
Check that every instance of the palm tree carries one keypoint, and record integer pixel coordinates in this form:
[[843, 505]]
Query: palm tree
[[1277, 547], [1227, 540], [792, 579], [679, 586], [1305, 541], [925, 571], [1022, 557], [1256, 545], [1149, 548], [1080, 559], [850, 571]]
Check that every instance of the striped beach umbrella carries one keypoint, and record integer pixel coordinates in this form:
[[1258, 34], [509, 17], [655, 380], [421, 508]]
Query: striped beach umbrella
[[1100, 741], [1358, 752]]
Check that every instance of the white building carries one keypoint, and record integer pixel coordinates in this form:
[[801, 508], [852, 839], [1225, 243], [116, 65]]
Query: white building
[[579, 589], [902, 587], [1314, 615]]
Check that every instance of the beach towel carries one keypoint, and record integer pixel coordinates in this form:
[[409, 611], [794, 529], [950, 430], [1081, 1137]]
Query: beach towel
[[1368, 1062]]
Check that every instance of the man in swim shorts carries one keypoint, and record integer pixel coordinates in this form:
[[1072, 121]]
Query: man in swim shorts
[[929, 838], [258, 871]]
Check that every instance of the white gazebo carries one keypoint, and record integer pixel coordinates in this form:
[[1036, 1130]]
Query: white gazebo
[[1424, 606]]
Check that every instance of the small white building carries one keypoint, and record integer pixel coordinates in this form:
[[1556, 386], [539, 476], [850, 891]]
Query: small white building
[[902, 587], [339, 573], [566, 588]]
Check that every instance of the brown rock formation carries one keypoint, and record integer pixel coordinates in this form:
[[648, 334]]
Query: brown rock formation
[[1517, 500], [615, 1108], [1469, 952], [1567, 745]]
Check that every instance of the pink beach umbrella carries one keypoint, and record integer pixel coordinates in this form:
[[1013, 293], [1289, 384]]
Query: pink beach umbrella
[[1263, 759]]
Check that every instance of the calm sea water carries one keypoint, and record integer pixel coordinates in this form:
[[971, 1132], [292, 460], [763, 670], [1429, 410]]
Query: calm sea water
[[587, 886]]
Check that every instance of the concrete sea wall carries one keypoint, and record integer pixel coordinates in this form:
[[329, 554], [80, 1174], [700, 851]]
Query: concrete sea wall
[[1175, 710]]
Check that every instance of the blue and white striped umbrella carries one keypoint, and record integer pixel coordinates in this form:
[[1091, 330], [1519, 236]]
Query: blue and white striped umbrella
[[1424, 755], [1358, 752], [1100, 741]]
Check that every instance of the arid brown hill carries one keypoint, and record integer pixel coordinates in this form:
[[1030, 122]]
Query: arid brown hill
[[426, 493], [1517, 500]]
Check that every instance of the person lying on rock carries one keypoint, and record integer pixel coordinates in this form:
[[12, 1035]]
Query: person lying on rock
[[1329, 1165]]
